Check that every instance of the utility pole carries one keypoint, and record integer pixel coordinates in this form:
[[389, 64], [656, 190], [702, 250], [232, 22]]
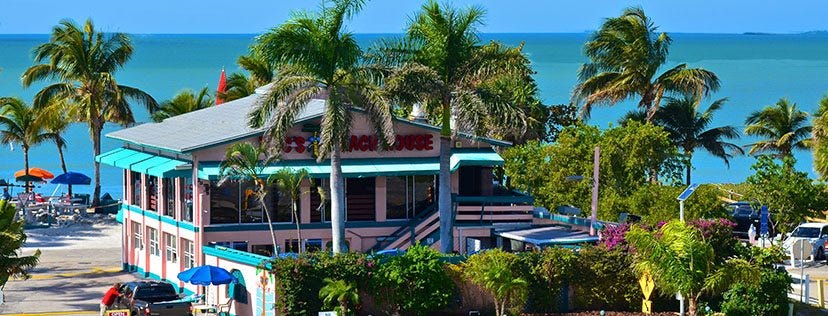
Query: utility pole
[[595, 167]]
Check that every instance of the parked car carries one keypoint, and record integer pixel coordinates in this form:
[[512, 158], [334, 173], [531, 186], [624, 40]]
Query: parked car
[[151, 298], [815, 233], [743, 215]]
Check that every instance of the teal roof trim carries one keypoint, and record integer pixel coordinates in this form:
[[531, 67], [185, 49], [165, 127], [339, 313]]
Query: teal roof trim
[[475, 158], [142, 162], [350, 167]]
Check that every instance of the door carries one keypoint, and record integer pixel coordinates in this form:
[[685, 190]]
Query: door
[[470, 180], [360, 196]]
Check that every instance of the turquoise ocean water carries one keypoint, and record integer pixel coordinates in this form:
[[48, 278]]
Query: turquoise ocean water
[[755, 70]]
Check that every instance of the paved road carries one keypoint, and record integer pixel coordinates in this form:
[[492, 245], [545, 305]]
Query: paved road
[[66, 282]]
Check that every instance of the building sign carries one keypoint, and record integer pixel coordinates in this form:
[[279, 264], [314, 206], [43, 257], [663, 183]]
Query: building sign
[[414, 142]]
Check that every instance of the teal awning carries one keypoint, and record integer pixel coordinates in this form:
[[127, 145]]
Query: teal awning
[[145, 163], [486, 158], [351, 168]]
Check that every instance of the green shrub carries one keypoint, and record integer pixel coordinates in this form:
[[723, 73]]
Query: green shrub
[[605, 280], [547, 272], [414, 283], [769, 297], [500, 273]]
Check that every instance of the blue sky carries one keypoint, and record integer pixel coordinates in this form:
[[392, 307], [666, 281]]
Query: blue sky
[[391, 16]]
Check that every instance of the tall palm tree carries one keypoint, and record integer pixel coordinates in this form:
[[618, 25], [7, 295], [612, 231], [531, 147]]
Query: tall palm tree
[[820, 138], [688, 129], [682, 261], [442, 65], [289, 181], [317, 58], [83, 61], [246, 161], [239, 85], [55, 121], [12, 238], [783, 126], [184, 102], [625, 55], [24, 125]]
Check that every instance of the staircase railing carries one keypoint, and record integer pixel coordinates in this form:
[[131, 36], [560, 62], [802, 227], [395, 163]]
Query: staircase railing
[[406, 229]]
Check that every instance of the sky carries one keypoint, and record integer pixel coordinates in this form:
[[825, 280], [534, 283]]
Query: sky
[[391, 16]]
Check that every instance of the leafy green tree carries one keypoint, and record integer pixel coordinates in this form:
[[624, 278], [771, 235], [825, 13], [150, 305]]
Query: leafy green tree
[[247, 161], [339, 292], [498, 272], [83, 62], [414, 283], [240, 85], [319, 59], [790, 194], [783, 126], [22, 124], [184, 102], [820, 138], [688, 129], [289, 181], [12, 238], [682, 261], [657, 203], [464, 85], [768, 297], [625, 56]]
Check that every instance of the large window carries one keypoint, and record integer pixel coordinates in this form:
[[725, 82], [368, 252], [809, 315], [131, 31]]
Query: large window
[[360, 198], [320, 212], [171, 247], [189, 253], [187, 200], [169, 197], [153, 241], [264, 250], [152, 193], [224, 202], [137, 236], [135, 185], [237, 202], [410, 195]]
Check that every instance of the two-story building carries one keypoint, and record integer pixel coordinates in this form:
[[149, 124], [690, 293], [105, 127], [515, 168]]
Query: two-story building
[[174, 203]]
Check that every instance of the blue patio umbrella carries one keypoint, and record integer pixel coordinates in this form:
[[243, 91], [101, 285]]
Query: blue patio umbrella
[[72, 178], [206, 275]]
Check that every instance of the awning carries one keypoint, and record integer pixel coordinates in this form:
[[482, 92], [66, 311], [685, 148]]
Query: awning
[[351, 168], [486, 158], [145, 163], [549, 235]]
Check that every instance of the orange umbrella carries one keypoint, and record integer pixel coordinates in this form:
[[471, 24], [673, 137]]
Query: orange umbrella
[[37, 172]]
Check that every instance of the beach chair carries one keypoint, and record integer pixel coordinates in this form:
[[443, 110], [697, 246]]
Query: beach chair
[[224, 309]]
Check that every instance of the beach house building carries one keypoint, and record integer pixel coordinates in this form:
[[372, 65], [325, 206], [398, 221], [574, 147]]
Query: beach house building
[[175, 207]]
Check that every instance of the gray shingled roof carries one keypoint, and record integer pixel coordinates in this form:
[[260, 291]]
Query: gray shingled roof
[[204, 128]]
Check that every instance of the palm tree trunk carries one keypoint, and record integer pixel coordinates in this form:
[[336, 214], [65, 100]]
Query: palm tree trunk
[[337, 200], [63, 167], [689, 164], [95, 129], [691, 306], [343, 304], [296, 218], [26, 166], [269, 221], [444, 196]]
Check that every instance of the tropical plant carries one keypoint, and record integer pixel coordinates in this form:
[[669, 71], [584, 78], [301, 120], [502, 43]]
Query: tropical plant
[[415, 283], [682, 261], [688, 129], [12, 238], [56, 122], [184, 102], [497, 272], [245, 161], [289, 181], [239, 85], [625, 55], [339, 292], [820, 138], [83, 62], [319, 59], [463, 84], [783, 126], [25, 125]]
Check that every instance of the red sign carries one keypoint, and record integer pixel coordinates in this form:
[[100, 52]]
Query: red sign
[[417, 142]]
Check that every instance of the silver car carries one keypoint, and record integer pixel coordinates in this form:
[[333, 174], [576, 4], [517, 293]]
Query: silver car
[[815, 233]]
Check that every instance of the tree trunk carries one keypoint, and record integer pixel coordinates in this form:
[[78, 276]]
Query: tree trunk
[[269, 221], [444, 190], [691, 306], [337, 200], [343, 304], [28, 188], [689, 154], [95, 129], [298, 229], [63, 167]]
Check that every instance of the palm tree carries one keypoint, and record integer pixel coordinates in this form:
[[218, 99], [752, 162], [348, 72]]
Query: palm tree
[[497, 272], [318, 59], [55, 121], [83, 62], [184, 102], [820, 138], [625, 55], [240, 85], [24, 125], [339, 292], [290, 182], [687, 128], [682, 261], [442, 65], [244, 161], [12, 238], [783, 126]]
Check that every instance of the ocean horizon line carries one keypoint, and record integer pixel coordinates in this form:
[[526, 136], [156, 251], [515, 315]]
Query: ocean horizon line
[[748, 33]]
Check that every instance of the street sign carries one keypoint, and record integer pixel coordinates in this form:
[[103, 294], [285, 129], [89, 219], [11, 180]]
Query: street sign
[[647, 284], [647, 307], [687, 192], [763, 221]]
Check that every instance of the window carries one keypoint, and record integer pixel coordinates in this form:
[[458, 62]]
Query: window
[[236, 245], [189, 253], [169, 197], [153, 241], [360, 199], [278, 203], [137, 236], [152, 193], [410, 195], [171, 247], [135, 184], [187, 200], [236, 202], [224, 202], [264, 250], [320, 212]]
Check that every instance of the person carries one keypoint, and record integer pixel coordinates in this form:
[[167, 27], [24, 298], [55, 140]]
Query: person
[[6, 195], [110, 296]]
